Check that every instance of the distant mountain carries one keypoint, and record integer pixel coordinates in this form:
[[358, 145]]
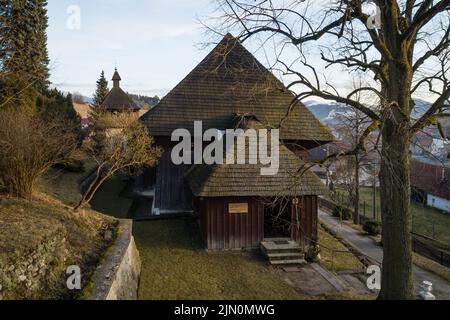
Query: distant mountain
[[322, 109], [326, 112], [145, 102]]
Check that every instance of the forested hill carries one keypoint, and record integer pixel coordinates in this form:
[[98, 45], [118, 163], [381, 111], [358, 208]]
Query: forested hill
[[144, 101]]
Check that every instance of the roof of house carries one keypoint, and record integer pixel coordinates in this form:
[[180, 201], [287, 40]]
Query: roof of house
[[231, 81], [118, 100], [227, 180], [432, 179]]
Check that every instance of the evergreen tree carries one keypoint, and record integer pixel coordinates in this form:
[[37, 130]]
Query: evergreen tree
[[102, 90], [54, 103], [23, 40]]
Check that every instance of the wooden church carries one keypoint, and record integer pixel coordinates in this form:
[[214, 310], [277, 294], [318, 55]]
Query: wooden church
[[117, 101], [237, 206]]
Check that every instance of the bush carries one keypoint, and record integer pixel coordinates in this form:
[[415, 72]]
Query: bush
[[29, 145], [342, 212], [372, 227]]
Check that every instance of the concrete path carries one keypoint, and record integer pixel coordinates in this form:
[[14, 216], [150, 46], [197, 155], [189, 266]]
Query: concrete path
[[371, 249], [314, 280]]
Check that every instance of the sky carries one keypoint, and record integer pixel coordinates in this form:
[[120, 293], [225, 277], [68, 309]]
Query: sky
[[153, 43]]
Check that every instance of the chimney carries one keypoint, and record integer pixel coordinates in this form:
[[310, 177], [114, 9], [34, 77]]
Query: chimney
[[116, 79]]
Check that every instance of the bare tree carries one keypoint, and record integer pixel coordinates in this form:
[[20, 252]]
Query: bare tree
[[403, 51], [119, 142], [351, 124], [29, 145]]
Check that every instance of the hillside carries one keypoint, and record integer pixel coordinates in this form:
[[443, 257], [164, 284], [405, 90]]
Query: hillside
[[39, 239], [82, 109]]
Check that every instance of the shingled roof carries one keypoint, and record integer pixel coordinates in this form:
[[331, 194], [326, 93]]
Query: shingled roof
[[227, 180], [227, 82], [117, 100]]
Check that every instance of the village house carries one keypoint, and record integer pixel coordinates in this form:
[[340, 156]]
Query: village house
[[237, 206], [430, 184]]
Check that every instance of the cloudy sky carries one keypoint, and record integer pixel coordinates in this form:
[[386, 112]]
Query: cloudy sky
[[154, 43]]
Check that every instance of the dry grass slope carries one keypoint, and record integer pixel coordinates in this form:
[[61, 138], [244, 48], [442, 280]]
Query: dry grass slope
[[39, 239]]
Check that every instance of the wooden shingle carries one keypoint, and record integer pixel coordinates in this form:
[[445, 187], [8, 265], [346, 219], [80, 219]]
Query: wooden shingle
[[226, 180], [231, 81]]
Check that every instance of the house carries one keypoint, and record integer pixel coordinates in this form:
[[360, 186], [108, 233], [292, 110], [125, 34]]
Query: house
[[431, 184], [237, 206], [117, 100]]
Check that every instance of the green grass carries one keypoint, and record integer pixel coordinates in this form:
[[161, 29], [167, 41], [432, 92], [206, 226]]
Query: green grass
[[108, 201], [175, 265], [339, 261], [427, 221]]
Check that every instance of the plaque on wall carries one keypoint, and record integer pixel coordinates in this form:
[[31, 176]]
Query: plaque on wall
[[236, 208]]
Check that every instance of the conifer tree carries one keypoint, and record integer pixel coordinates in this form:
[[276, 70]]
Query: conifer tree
[[102, 90], [23, 40]]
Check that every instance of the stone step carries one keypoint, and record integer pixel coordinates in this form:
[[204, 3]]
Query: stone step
[[286, 256], [269, 246], [287, 262], [281, 252]]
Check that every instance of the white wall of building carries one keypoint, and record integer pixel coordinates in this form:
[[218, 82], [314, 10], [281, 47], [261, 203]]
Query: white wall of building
[[438, 203]]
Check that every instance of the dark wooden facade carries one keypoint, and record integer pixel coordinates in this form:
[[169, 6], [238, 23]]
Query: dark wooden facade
[[171, 193], [304, 219], [222, 230]]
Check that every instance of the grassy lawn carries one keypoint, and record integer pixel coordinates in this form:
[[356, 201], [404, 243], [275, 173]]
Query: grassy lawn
[[339, 261], [175, 265], [64, 185], [427, 221]]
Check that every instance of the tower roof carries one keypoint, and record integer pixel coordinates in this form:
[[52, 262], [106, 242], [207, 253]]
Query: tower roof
[[116, 76], [117, 99]]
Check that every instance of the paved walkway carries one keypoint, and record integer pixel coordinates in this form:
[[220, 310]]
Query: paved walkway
[[371, 249]]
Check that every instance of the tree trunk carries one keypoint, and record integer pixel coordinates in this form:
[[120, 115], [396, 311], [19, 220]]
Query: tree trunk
[[356, 204], [88, 192], [397, 280], [374, 195]]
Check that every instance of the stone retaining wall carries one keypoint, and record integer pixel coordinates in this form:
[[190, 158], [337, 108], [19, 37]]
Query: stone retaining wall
[[117, 277]]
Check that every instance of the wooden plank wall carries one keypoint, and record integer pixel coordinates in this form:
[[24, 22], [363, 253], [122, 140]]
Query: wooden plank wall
[[171, 193], [225, 231], [307, 215]]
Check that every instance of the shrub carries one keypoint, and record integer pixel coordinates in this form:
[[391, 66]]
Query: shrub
[[342, 212], [372, 227], [29, 145]]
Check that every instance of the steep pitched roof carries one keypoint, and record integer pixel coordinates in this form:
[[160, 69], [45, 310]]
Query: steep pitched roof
[[116, 76], [227, 180], [118, 100], [231, 81]]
